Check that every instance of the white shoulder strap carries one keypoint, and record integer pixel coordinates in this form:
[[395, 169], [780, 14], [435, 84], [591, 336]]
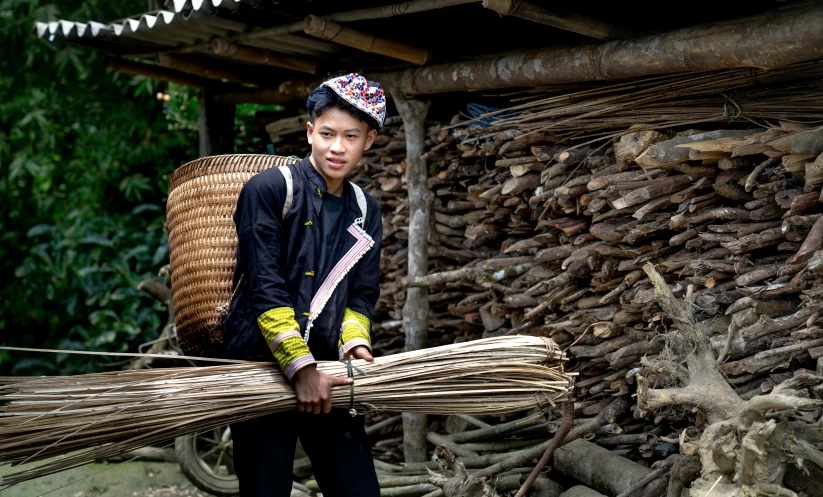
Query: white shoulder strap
[[358, 193], [284, 170], [361, 201]]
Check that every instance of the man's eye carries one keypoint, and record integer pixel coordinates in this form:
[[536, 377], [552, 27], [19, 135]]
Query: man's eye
[[326, 134], [352, 137]]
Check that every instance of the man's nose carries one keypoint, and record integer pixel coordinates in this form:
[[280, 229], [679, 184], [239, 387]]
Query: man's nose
[[338, 145]]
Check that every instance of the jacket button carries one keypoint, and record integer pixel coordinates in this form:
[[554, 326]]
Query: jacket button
[[307, 223], [309, 273]]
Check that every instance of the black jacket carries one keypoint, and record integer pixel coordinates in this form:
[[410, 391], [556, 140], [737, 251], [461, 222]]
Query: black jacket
[[277, 258]]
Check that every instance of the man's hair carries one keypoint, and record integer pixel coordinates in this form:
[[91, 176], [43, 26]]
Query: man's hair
[[324, 98]]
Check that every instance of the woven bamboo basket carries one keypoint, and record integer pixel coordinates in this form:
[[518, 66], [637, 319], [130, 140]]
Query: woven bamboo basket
[[203, 242]]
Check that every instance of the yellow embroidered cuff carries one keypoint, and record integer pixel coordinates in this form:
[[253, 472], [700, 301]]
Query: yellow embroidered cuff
[[282, 333], [354, 332]]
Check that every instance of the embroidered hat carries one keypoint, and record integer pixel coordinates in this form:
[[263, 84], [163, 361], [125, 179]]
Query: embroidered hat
[[354, 89]]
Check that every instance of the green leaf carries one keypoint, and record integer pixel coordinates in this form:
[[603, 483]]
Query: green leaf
[[105, 337], [96, 239], [98, 317], [160, 254], [140, 249], [133, 186], [146, 208], [38, 116], [39, 229]]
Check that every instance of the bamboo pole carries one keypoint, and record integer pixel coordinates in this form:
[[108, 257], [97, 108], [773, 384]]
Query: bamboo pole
[[397, 9], [332, 31], [287, 91], [260, 56], [211, 71], [558, 18], [156, 72], [416, 309]]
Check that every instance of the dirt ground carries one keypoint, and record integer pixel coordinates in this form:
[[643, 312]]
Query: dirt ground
[[130, 479]]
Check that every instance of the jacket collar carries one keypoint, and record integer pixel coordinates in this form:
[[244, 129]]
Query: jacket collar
[[317, 181], [352, 210]]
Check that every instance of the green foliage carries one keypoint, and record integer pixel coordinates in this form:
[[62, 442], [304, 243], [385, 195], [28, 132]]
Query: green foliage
[[85, 156]]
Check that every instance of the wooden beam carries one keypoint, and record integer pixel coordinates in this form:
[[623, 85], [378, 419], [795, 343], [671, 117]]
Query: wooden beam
[[397, 9], [768, 41], [156, 72], [211, 71], [329, 30], [558, 18], [216, 125], [288, 91], [287, 126], [261, 56], [416, 309]]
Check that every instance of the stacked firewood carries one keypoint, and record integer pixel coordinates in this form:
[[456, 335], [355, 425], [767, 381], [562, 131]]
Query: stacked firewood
[[731, 213], [532, 236]]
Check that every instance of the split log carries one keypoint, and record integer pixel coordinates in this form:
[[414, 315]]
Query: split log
[[597, 467]]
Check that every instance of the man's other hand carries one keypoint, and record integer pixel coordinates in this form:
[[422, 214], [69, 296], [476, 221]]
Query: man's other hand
[[313, 389], [359, 352]]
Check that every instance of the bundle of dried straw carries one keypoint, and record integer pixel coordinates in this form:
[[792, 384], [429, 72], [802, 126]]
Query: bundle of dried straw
[[748, 96], [97, 416]]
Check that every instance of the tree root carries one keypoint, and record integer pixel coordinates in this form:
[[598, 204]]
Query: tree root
[[747, 447], [755, 409], [707, 389]]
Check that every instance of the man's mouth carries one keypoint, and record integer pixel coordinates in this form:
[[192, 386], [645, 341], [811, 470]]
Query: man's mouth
[[335, 163]]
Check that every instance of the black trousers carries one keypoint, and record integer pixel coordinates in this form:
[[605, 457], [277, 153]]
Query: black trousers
[[336, 443]]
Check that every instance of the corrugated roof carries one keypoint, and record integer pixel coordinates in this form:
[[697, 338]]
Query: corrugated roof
[[153, 21], [190, 22]]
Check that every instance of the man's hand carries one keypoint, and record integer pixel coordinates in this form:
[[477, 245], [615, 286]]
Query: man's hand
[[312, 388], [359, 352]]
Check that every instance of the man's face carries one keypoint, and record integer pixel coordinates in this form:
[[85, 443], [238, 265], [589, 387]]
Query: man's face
[[338, 141]]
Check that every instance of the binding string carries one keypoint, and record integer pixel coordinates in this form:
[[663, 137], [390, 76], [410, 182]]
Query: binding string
[[350, 368]]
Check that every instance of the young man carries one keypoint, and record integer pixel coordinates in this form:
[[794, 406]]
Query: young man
[[308, 263]]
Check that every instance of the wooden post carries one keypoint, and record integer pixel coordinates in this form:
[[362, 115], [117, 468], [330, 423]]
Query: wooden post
[[216, 125], [416, 309]]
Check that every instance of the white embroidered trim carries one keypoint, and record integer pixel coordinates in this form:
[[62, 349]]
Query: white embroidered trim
[[344, 265], [282, 336], [299, 363], [352, 344]]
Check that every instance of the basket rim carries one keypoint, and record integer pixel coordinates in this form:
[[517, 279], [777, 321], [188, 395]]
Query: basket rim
[[177, 177]]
